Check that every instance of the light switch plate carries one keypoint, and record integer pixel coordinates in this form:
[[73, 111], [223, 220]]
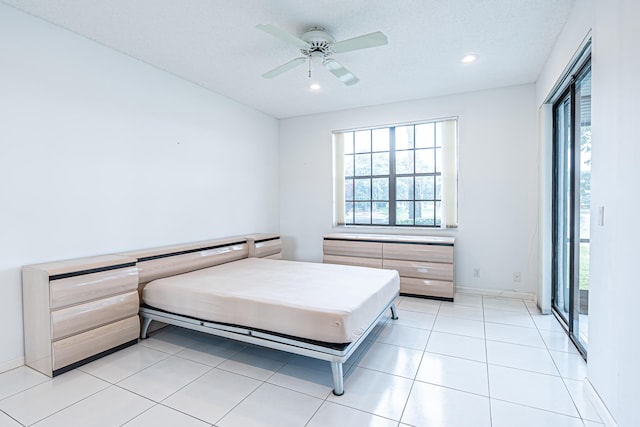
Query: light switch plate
[[601, 216]]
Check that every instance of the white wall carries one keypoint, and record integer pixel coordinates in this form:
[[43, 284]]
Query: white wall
[[614, 342], [497, 181], [102, 153], [576, 29], [614, 338]]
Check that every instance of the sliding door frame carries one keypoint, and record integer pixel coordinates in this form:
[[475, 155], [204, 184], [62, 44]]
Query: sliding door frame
[[573, 204]]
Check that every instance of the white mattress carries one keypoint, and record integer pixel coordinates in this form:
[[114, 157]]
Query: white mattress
[[322, 302]]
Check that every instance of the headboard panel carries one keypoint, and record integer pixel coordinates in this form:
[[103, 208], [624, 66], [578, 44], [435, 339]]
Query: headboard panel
[[167, 261]]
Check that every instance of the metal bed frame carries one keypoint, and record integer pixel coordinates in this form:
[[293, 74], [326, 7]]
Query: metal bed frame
[[336, 356]]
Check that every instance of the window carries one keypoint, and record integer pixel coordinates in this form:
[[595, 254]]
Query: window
[[403, 175]]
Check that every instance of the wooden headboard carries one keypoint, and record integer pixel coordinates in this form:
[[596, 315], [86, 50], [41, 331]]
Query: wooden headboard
[[157, 263]]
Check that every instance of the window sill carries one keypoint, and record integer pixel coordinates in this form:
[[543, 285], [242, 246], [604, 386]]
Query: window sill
[[393, 229]]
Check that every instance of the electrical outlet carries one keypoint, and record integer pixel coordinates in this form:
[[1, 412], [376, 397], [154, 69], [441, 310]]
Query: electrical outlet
[[476, 272], [516, 276]]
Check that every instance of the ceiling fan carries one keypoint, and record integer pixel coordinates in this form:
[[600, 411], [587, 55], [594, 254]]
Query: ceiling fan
[[318, 46]]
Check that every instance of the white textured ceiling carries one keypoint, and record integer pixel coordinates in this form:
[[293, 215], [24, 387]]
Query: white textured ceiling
[[215, 44]]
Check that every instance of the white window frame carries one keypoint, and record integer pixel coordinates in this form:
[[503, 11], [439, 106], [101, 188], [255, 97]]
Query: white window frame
[[446, 138]]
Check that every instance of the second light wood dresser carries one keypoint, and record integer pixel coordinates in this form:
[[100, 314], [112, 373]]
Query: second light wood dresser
[[425, 263]]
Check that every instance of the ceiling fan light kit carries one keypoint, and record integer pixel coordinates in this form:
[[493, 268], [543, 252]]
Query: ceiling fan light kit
[[318, 46]]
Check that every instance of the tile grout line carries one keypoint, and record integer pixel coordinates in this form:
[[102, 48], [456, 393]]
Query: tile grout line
[[486, 356], [211, 368], [76, 402], [562, 378], [109, 384], [354, 409], [12, 417], [171, 409], [413, 382], [80, 368], [557, 369], [537, 408], [238, 404], [28, 388]]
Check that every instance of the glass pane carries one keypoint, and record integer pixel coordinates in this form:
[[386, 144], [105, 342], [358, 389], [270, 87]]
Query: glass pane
[[348, 213], [404, 213], [439, 159], [363, 141], [404, 162], [425, 135], [425, 213], [363, 189], [404, 188], [348, 189], [562, 244], [425, 161], [438, 214], [424, 188], [363, 213], [348, 165], [380, 189], [583, 98], [380, 213], [438, 187], [381, 139], [380, 163], [363, 164], [348, 142], [404, 137]]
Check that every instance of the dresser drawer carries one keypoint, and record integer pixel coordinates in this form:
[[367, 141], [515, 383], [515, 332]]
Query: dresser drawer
[[270, 247], [86, 287], [418, 252], [86, 344], [353, 248], [274, 256], [420, 270], [78, 318], [350, 260], [425, 287]]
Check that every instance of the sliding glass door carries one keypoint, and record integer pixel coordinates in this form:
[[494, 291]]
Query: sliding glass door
[[571, 206]]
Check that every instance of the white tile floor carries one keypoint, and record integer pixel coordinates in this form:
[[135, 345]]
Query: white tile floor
[[477, 362]]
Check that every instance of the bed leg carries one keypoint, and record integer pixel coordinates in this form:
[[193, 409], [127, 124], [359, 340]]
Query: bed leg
[[146, 321], [338, 378], [394, 315]]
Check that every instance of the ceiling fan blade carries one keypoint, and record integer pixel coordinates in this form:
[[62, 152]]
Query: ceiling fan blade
[[361, 42], [283, 35], [338, 70], [284, 68]]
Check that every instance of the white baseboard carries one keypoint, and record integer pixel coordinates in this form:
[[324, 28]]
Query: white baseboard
[[11, 364], [544, 311], [599, 405], [495, 293]]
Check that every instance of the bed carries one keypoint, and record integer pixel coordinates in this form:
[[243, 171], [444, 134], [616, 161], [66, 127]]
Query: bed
[[318, 310]]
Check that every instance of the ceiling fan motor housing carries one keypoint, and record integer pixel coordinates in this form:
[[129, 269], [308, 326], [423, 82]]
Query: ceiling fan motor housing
[[319, 44]]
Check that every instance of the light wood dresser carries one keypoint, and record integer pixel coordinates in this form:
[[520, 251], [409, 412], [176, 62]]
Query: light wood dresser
[[265, 245], [78, 310], [425, 263]]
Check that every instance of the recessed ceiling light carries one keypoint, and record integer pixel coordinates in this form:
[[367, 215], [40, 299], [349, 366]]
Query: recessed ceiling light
[[314, 86], [467, 59]]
